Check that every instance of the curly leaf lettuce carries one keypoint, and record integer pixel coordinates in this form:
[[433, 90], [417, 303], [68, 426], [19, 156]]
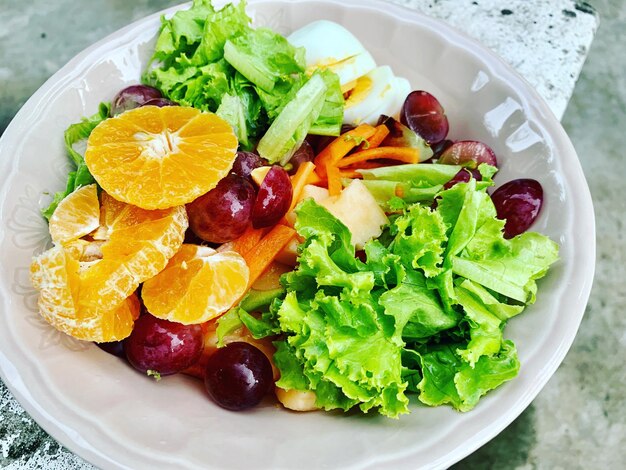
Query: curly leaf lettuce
[[424, 313], [215, 61], [448, 379], [73, 135], [348, 349]]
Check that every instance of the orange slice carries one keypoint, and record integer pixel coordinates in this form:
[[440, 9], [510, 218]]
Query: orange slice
[[157, 158], [76, 216], [137, 245], [57, 275], [197, 285], [87, 285]]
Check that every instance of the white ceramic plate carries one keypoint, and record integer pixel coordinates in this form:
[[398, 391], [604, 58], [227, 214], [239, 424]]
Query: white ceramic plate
[[116, 418]]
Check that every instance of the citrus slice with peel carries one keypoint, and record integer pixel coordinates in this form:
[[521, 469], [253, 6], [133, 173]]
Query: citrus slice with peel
[[197, 285], [76, 216], [58, 277], [157, 158]]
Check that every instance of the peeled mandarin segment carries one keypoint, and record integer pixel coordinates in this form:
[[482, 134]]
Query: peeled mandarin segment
[[197, 285], [140, 246], [76, 216], [156, 158], [55, 274], [119, 131]]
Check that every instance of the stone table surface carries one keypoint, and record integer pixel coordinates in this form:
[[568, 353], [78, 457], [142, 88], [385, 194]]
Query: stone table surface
[[578, 420]]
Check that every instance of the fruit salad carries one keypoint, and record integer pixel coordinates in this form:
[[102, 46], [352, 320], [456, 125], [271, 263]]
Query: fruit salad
[[283, 218]]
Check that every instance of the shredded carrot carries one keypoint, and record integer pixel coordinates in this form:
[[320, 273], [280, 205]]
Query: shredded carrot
[[266, 250], [373, 142], [350, 173], [340, 147], [402, 154], [353, 171], [250, 238], [313, 178], [299, 180], [334, 180]]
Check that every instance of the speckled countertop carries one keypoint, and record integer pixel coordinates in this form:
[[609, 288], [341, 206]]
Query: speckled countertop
[[578, 420]]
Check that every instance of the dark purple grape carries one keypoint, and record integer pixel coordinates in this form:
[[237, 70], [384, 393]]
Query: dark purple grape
[[463, 176], [440, 147], [116, 348], [518, 202], [423, 114], [320, 142], [238, 376], [273, 199], [469, 153], [132, 97], [160, 102], [245, 163], [163, 346], [302, 155], [224, 213]]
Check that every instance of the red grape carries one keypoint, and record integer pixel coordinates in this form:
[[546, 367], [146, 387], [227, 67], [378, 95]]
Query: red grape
[[463, 176], [223, 214], [163, 346], [115, 348], [245, 163], [441, 147], [469, 153], [238, 376], [518, 202], [273, 199], [423, 114], [133, 96], [160, 102], [320, 142], [302, 155]]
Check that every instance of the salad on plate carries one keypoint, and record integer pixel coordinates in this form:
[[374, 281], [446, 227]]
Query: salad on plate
[[283, 216]]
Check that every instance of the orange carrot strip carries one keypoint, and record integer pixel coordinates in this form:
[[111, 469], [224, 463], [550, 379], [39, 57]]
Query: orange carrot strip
[[299, 180], [353, 171], [250, 238], [340, 147], [264, 252], [334, 180], [313, 178], [350, 173], [381, 133], [402, 154], [367, 165]]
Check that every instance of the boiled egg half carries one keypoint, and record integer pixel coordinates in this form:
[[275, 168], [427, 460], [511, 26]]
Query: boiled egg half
[[369, 91], [329, 45]]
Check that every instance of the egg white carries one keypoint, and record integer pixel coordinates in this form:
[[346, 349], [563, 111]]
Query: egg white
[[330, 45], [378, 92], [399, 89]]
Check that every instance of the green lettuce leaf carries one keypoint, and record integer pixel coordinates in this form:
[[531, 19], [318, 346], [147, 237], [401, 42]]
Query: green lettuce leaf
[[345, 352], [330, 118], [418, 310], [347, 346], [448, 379], [220, 27], [264, 57], [420, 239], [181, 33], [75, 134], [290, 127]]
